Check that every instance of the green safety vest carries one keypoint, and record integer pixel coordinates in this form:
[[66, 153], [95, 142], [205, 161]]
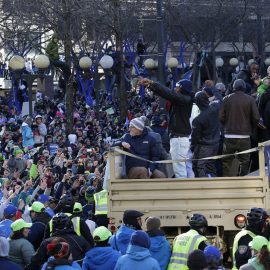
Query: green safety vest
[[101, 201], [235, 244], [183, 245], [75, 221]]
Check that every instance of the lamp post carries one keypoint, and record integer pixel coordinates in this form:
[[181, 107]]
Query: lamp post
[[219, 64], [17, 63], [106, 62], [267, 61], [173, 64]]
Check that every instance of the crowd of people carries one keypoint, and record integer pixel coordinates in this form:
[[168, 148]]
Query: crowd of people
[[53, 207]]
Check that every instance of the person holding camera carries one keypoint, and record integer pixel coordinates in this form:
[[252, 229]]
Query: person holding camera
[[27, 133], [40, 131]]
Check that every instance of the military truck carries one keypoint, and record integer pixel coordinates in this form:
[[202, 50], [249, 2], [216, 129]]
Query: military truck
[[224, 201]]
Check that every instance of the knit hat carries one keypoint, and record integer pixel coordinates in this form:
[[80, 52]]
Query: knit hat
[[10, 210], [196, 260], [28, 121], [220, 86], [212, 254], [37, 207], [101, 234], [137, 123], [4, 247], [208, 90], [141, 239], [59, 249], [43, 198], [152, 223], [18, 151], [185, 85], [239, 85], [38, 116], [77, 208]]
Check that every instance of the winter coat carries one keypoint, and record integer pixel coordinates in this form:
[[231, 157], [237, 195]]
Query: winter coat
[[137, 258], [79, 246], [239, 114], [27, 135], [21, 251], [160, 248], [121, 239], [16, 164], [5, 229], [5, 263], [206, 126], [180, 110], [252, 264], [40, 133], [37, 230], [74, 265], [52, 50], [144, 146], [100, 258]]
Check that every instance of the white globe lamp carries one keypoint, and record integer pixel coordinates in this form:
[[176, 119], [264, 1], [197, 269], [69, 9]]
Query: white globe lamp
[[172, 62], [149, 63], [42, 61], [85, 62], [106, 61], [233, 62], [17, 62], [267, 61], [219, 62], [250, 61]]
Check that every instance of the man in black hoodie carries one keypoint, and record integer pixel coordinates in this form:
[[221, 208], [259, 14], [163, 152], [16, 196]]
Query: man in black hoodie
[[62, 227], [205, 134]]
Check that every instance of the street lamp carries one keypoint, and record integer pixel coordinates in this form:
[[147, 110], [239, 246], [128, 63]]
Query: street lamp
[[149, 63], [17, 64], [233, 62], [106, 62], [85, 63], [250, 61], [172, 62], [267, 61], [219, 62]]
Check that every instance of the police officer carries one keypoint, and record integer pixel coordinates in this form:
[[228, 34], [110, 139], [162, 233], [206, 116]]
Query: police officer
[[66, 205], [101, 208], [256, 221], [187, 242]]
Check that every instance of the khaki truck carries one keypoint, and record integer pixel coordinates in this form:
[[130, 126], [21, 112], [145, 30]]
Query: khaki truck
[[223, 201]]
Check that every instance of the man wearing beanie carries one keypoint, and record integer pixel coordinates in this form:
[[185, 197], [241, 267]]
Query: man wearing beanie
[[239, 116], [160, 247], [179, 125], [196, 260], [139, 142], [132, 222], [138, 255]]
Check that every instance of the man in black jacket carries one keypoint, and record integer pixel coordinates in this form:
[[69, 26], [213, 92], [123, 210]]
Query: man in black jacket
[[179, 126], [205, 135], [62, 228]]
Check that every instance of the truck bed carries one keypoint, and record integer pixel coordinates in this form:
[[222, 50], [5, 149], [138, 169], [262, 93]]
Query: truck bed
[[174, 200]]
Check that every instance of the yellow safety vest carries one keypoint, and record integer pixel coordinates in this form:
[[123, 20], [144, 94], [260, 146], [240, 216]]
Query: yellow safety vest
[[75, 221], [183, 245], [235, 244], [101, 201]]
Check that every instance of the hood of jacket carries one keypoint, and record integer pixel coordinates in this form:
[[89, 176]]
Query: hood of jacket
[[43, 217], [99, 255], [123, 235], [138, 253], [157, 243], [201, 100]]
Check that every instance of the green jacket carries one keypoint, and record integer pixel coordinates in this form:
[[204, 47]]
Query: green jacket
[[52, 50]]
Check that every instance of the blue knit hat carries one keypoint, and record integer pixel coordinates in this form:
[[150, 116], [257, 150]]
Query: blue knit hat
[[185, 85], [140, 238]]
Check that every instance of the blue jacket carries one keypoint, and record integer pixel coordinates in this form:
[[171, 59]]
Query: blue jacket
[[74, 266], [27, 135], [144, 146], [137, 258], [160, 250], [121, 239], [5, 263], [100, 258], [5, 229]]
